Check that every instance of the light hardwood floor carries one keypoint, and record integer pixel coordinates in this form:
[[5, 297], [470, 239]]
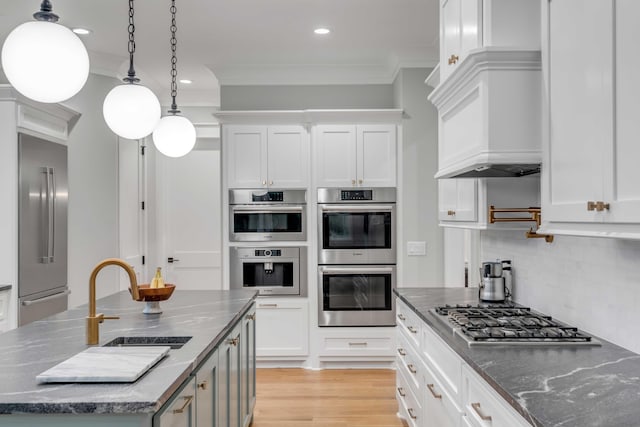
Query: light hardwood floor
[[327, 398]]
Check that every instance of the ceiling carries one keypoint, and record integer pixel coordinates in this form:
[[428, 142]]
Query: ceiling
[[244, 42]]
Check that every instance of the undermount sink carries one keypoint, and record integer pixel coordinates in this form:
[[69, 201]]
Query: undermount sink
[[173, 342]]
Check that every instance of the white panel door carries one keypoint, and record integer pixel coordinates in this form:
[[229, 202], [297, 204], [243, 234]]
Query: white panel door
[[246, 156], [190, 229], [625, 191], [288, 157], [282, 328], [579, 76], [450, 35], [457, 200], [131, 218], [335, 155], [376, 155]]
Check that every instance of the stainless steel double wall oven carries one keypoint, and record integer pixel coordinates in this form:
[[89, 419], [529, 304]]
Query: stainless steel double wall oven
[[356, 256]]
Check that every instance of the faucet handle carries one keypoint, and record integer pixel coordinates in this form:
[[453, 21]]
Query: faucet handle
[[110, 317]]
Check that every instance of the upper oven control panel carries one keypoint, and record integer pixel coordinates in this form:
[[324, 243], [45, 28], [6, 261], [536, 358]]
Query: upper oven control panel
[[269, 196], [268, 252], [356, 195]]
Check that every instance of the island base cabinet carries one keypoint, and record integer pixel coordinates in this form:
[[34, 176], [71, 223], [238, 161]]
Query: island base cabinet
[[207, 392], [229, 384], [180, 410], [440, 409], [409, 407], [248, 371], [484, 407]]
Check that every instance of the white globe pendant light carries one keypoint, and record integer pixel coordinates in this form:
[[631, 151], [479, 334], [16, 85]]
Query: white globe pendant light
[[174, 136], [131, 110], [43, 60]]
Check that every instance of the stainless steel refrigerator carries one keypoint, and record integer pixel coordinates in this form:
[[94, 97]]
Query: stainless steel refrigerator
[[42, 235]]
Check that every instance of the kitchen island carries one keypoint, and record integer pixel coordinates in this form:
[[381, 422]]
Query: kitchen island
[[548, 385], [211, 318]]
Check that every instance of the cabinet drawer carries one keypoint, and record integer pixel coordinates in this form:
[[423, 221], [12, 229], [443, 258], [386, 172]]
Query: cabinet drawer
[[444, 363], [409, 322], [484, 407], [408, 404], [442, 409], [357, 346], [180, 410], [408, 361]]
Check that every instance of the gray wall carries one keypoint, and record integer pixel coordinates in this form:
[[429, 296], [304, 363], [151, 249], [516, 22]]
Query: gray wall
[[93, 192], [419, 218], [305, 97]]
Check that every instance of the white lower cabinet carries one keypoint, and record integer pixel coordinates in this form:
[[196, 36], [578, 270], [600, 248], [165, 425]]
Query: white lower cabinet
[[435, 388], [365, 344], [483, 406], [4, 310], [283, 329]]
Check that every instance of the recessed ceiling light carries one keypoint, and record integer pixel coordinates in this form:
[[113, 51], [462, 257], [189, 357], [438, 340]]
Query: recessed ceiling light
[[322, 31], [81, 31], [186, 81]]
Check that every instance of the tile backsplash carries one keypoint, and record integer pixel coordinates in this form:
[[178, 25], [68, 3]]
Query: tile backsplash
[[591, 283]]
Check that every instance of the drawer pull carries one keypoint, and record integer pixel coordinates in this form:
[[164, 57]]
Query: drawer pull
[[268, 305], [411, 414], [476, 407], [401, 317], [433, 393], [402, 352], [412, 329], [453, 59], [358, 344], [598, 206], [234, 341], [412, 368], [202, 385], [451, 213], [401, 392], [251, 316], [187, 402]]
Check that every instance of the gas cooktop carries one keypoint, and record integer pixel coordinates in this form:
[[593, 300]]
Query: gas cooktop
[[505, 323]]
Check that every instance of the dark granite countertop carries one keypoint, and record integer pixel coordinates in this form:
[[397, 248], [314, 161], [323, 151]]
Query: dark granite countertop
[[548, 385], [34, 348]]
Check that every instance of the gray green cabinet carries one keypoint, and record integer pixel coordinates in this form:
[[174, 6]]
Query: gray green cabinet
[[180, 410]]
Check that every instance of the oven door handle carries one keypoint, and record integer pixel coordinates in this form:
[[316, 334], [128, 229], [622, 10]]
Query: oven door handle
[[357, 208], [344, 270], [265, 209]]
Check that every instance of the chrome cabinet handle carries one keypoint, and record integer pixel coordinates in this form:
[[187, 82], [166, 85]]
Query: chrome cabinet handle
[[401, 392], [402, 352], [476, 407], [364, 344], [187, 402], [48, 216], [433, 393]]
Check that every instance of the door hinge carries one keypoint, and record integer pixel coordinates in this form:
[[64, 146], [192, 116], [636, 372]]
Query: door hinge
[[142, 149], [142, 205], [143, 259]]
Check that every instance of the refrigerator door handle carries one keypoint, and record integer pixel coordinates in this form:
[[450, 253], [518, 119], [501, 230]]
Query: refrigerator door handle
[[48, 216], [45, 299], [44, 218]]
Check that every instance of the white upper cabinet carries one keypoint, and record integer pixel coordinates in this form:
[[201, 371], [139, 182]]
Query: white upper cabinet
[[267, 156], [591, 150], [457, 200], [355, 155], [460, 26]]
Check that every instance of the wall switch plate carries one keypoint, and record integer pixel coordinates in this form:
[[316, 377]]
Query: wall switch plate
[[416, 248]]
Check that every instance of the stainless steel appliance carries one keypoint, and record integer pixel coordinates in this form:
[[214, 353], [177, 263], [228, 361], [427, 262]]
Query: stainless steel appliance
[[357, 226], [270, 270], [492, 285], [267, 215], [356, 295], [491, 324], [42, 230]]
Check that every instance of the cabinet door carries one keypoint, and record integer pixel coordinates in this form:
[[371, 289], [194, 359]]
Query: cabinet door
[[207, 392], [229, 385], [335, 155], [579, 78], [450, 35], [248, 349], [247, 156], [376, 155], [180, 410], [288, 157], [457, 200], [625, 191], [283, 328]]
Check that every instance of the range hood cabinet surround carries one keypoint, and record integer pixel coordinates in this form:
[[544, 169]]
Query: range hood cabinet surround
[[489, 115]]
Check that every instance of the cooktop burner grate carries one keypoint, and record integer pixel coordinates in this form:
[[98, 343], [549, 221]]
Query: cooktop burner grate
[[508, 324]]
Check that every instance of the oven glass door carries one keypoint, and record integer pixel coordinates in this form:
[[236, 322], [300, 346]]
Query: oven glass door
[[356, 229], [355, 296], [267, 223]]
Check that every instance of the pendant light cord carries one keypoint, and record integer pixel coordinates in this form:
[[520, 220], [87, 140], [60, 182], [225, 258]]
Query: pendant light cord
[[131, 74], [174, 59], [45, 13]]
